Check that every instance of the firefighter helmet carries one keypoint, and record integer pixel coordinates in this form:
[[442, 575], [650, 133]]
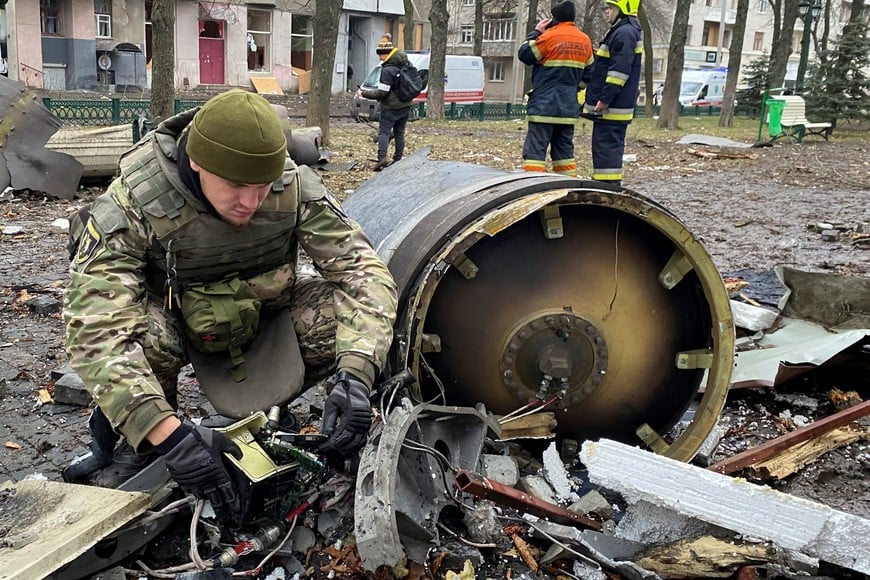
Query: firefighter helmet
[[627, 7]]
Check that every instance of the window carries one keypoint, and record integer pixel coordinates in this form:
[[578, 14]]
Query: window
[[259, 40], [468, 2], [50, 17], [499, 30], [103, 16], [496, 71], [301, 41], [758, 41], [466, 34], [103, 26], [689, 35], [762, 6], [726, 38], [706, 36]]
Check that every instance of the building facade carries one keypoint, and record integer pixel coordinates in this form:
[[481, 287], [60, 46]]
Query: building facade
[[505, 26], [105, 45]]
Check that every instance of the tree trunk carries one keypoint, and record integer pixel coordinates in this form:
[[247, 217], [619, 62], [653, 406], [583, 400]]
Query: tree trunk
[[782, 40], [409, 25], [163, 60], [531, 20], [670, 112], [855, 21], [326, 19], [438, 18], [477, 47], [735, 56], [647, 61]]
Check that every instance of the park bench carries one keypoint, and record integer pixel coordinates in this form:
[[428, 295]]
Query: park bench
[[794, 120]]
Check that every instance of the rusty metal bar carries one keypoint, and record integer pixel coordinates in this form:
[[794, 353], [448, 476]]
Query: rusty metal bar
[[770, 448], [485, 488]]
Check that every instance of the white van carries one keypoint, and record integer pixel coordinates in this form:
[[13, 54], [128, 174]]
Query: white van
[[702, 88], [463, 83]]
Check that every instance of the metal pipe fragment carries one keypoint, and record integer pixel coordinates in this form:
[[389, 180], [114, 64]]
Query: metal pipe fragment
[[485, 488]]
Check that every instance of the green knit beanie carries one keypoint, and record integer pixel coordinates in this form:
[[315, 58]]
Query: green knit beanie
[[237, 135]]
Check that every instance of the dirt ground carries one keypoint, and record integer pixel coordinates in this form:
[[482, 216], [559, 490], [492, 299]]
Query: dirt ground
[[752, 214]]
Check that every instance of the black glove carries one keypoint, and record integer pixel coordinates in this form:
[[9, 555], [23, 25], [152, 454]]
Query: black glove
[[193, 455], [347, 415]]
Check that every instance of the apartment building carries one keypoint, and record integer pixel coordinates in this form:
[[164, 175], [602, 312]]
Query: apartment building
[[107, 44], [505, 26]]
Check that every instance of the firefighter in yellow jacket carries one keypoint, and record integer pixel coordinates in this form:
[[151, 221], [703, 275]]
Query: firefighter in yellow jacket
[[192, 251], [559, 54]]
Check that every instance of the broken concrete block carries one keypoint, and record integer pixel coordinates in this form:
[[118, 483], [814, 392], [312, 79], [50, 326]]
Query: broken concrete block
[[70, 390], [44, 305], [500, 468], [60, 225], [592, 503], [654, 524], [539, 488], [791, 522], [61, 371], [753, 318], [830, 235], [556, 474]]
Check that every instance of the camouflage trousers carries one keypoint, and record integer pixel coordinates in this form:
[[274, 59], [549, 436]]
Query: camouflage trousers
[[313, 315]]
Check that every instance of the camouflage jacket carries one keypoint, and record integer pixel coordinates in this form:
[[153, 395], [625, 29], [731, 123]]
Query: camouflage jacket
[[105, 302]]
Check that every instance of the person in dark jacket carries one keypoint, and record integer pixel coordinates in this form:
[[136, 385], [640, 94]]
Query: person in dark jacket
[[558, 53], [394, 112], [613, 88]]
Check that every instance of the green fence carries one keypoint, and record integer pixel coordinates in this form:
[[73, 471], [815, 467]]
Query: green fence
[[506, 111], [103, 112]]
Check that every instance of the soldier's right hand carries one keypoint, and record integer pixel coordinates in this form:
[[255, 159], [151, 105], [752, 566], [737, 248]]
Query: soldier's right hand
[[194, 457]]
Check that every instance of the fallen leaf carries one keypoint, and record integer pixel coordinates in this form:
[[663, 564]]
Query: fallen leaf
[[11, 445], [525, 552]]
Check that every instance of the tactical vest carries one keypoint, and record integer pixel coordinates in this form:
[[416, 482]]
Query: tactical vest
[[198, 246]]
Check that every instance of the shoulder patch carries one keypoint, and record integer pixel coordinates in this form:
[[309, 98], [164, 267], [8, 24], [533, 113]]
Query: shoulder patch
[[90, 245]]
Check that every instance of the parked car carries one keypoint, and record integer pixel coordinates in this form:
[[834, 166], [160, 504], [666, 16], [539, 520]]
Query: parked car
[[463, 83]]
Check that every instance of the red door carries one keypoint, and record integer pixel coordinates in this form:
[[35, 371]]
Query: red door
[[211, 52]]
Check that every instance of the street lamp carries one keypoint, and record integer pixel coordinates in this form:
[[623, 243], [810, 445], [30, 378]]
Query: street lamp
[[809, 11]]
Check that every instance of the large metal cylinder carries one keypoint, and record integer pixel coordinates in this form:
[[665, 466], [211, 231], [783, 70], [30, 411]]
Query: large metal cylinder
[[516, 286]]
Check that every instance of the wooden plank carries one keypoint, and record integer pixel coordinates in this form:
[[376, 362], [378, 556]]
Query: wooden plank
[[802, 454], [50, 523], [770, 448], [266, 85]]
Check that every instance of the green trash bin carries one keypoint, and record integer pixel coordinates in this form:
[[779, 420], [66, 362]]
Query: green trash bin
[[774, 119]]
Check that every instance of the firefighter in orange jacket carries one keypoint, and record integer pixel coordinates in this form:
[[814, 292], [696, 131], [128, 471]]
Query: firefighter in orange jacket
[[613, 88], [559, 54]]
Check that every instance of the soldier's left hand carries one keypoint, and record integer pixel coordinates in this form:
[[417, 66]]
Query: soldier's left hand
[[347, 416]]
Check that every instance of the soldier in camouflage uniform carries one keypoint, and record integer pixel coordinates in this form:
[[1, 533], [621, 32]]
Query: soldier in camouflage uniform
[[212, 195]]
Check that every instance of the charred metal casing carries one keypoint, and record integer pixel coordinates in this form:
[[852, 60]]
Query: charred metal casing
[[515, 286], [401, 490]]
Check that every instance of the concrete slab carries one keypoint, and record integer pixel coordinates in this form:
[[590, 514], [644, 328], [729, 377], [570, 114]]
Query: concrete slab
[[791, 522], [65, 520]]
